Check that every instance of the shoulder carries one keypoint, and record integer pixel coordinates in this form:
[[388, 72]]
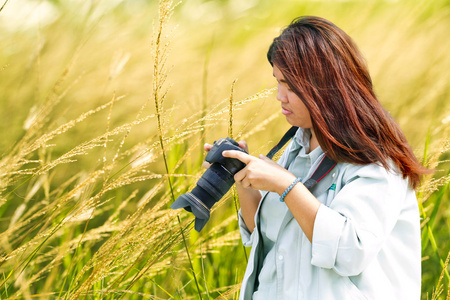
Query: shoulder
[[373, 184], [371, 174]]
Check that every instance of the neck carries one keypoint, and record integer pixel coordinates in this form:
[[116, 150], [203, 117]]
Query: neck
[[313, 142]]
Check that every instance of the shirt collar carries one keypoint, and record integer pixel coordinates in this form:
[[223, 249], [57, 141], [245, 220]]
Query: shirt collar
[[302, 137]]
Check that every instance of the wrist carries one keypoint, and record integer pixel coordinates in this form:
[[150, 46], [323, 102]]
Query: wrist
[[285, 183], [289, 188]]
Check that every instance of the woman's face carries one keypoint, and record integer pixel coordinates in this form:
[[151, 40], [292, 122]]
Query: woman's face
[[291, 106]]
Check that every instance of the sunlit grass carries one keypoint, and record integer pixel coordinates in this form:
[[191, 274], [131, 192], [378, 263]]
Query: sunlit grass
[[105, 109]]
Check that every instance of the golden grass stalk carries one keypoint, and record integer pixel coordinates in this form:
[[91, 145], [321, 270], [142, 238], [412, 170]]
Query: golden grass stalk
[[428, 187], [230, 108], [3, 6], [431, 184], [439, 289], [160, 54]]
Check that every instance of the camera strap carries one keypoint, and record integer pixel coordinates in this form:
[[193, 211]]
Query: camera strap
[[286, 138], [325, 166]]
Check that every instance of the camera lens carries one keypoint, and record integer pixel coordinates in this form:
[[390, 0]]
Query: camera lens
[[211, 187], [214, 183]]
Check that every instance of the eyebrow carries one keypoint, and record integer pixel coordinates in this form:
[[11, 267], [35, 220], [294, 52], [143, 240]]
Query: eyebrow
[[282, 80]]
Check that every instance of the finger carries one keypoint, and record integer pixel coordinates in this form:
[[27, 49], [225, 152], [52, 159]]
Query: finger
[[265, 158], [244, 157], [239, 176], [243, 145], [206, 165], [207, 147], [246, 184]]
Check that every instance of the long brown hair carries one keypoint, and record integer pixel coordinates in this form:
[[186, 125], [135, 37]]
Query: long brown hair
[[324, 67]]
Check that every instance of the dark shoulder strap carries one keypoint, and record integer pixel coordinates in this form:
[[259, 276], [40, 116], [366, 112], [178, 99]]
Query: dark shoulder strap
[[286, 138], [325, 166]]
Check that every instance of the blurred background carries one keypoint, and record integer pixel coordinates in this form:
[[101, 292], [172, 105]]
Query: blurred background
[[103, 122]]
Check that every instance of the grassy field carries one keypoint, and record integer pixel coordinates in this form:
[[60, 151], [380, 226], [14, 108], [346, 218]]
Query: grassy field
[[105, 106]]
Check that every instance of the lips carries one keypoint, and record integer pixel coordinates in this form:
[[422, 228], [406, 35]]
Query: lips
[[285, 112]]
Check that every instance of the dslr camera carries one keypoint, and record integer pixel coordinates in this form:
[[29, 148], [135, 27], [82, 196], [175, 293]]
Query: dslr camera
[[214, 183]]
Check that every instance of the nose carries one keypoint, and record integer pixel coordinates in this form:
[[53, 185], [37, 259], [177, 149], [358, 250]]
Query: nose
[[281, 94]]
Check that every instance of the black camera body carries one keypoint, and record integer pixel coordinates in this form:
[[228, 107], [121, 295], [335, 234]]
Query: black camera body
[[232, 165], [214, 183]]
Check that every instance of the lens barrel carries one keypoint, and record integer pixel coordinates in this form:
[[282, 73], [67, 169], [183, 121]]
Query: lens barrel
[[211, 187], [214, 183]]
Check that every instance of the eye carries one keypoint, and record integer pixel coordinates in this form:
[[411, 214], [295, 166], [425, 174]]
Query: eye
[[288, 88]]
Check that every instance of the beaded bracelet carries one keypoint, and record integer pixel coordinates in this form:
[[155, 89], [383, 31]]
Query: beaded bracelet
[[297, 180]]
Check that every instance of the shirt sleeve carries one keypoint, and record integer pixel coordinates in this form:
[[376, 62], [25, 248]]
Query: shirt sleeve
[[246, 235], [349, 233]]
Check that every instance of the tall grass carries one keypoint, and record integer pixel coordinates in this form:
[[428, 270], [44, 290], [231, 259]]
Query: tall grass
[[106, 107]]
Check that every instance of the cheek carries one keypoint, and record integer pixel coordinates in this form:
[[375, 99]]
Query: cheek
[[301, 111], [298, 104]]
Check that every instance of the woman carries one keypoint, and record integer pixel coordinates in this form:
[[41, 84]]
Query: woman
[[356, 234]]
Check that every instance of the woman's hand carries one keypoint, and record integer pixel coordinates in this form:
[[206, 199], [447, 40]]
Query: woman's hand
[[207, 148], [264, 174], [261, 173]]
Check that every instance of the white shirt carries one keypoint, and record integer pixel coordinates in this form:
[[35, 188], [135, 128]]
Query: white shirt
[[366, 240]]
